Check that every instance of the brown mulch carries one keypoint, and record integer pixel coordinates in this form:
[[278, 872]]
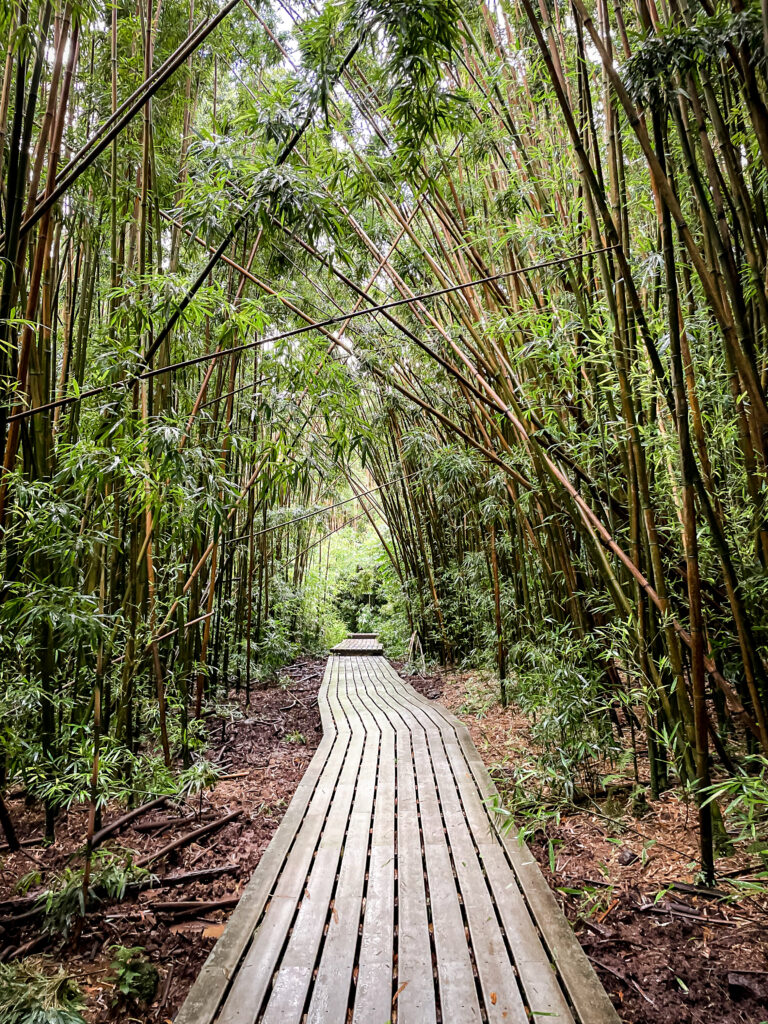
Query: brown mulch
[[264, 756], [666, 951]]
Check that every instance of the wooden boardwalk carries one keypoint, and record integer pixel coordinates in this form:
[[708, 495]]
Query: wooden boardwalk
[[358, 645], [387, 893]]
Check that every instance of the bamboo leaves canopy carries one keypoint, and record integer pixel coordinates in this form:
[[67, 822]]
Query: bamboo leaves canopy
[[504, 262]]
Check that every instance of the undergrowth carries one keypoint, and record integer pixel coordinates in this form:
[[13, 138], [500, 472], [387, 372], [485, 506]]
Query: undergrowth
[[31, 994], [575, 759], [64, 902]]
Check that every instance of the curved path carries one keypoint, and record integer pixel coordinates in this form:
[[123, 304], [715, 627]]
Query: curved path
[[387, 893]]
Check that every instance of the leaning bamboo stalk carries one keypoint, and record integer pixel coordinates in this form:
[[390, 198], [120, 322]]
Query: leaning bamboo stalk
[[662, 183], [123, 116]]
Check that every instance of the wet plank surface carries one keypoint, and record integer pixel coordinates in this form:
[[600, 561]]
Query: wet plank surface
[[388, 893], [358, 645]]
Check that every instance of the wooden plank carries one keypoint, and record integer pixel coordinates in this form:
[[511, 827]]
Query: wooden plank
[[333, 984], [416, 993], [456, 981], [584, 990], [204, 998], [543, 994], [294, 975], [254, 974], [502, 999], [357, 648], [373, 994], [297, 961], [542, 991]]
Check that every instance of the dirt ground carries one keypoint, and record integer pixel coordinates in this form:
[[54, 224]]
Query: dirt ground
[[264, 755], [667, 951]]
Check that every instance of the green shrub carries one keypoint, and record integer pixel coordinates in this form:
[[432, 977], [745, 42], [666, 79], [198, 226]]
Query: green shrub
[[64, 902], [559, 684], [746, 810], [134, 977]]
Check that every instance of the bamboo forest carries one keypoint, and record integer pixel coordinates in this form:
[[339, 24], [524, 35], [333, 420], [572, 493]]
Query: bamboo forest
[[384, 418]]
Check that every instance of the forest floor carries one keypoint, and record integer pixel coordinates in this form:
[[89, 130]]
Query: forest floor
[[263, 751], [666, 950]]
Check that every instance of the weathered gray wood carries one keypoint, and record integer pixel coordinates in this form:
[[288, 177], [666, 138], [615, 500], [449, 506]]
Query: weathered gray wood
[[456, 982], [358, 647], [579, 981], [416, 994], [373, 995], [541, 990], [315, 929], [502, 998], [333, 984], [254, 974], [205, 996]]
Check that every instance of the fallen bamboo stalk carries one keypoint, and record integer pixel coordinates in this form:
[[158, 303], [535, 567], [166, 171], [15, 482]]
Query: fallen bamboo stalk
[[185, 907], [201, 875], [161, 823], [190, 837], [29, 907], [126, 819], [688, 915]]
